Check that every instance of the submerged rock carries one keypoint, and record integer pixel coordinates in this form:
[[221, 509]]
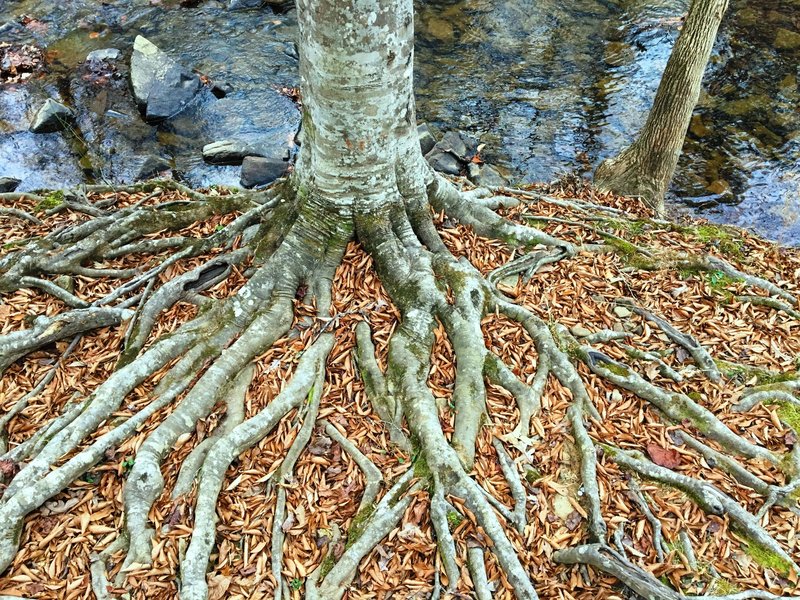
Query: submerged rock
[[103, 55], [152, 165], [161, 86], [259, 170], [52, 116], [8, 184]]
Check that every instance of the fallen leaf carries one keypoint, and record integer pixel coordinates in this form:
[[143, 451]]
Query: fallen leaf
[[665, 457]]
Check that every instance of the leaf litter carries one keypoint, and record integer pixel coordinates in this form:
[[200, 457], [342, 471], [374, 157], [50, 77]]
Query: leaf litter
[[59, 539]]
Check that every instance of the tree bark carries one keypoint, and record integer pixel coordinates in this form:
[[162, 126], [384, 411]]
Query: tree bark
[[359, 145], [645, 168]]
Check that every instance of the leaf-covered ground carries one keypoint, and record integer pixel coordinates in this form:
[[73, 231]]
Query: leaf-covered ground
[[581, 293]]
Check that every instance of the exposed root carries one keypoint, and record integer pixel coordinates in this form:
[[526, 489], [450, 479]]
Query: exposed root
[[698, 353], [208, 362], [708, 497]]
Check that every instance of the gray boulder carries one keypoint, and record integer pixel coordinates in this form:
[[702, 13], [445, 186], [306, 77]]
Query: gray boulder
[[445, 162], [259, 170], [453, 152], [8, 184], [52, 116], [228, 152], [161, 86]]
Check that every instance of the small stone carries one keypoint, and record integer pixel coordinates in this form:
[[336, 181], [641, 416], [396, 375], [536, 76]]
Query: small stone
[[622, 312], [616, 395], [562, 506], [8, 184], [579, 331], [426, 139], [258, 170], [228, 152], [65, 282], [152, 165], [510, 281], [52, 116], [103, 55]]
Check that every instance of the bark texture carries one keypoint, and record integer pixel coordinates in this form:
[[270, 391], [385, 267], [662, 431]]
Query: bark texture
[[646, 167]]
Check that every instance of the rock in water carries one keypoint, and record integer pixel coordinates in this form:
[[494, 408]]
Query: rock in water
[[257, 170], [161, 86], [152, 165], [106, 54], [52, 116], [228, 152], [8, 184]]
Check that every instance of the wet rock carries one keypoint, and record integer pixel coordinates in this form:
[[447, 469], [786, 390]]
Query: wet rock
[[228, 152], [151, 166], [458, 143], [259, 170], [103, 55], [451, 154], [244, 4], [161, 86], [52, 116], [291, 50], [445, 162], [221, 89], [485, 175], [8, 184], [426, 139]]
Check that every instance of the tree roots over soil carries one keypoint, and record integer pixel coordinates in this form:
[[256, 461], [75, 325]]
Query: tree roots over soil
[[491, 394]]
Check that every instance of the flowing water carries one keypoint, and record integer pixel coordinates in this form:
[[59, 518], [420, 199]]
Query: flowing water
[[551, 87]]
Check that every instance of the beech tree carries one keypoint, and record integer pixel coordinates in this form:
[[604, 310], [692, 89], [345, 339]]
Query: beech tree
[[360, 175], [645, 168]]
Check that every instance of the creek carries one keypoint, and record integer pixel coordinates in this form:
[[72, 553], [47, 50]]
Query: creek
[[551, 87]]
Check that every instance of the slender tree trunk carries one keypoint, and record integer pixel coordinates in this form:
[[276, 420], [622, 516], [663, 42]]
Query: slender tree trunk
[[645, 168]]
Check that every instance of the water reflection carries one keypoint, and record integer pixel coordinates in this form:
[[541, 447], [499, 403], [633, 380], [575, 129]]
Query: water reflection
[[550, 86]]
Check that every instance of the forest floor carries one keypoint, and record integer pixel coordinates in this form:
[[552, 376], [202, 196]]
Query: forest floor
[[581, 293]]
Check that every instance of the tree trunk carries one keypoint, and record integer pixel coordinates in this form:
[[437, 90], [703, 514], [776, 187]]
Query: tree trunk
[[359, 150], [645, 168]]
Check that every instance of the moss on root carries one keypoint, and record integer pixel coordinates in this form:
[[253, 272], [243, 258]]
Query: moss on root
[[359, 524], [50, 201], [767, 558]]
